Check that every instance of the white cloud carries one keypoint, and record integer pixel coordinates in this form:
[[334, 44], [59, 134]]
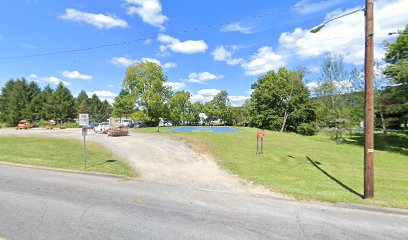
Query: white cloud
[[263, 61], [123, 61], [51, 80], [149, 10], [236, 27], [390, 15], [76, 75], [175, 85], [202, 77], [222, 53], [153, 60], [186, 47], [237, 100], [103, 95], [311, 6], [147, 41], [126, 61], [98, 20], [169, 65], [110, 86], [204, 95]]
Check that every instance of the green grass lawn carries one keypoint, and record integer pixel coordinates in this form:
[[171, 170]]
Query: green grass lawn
[[61, 153], [309, 168]]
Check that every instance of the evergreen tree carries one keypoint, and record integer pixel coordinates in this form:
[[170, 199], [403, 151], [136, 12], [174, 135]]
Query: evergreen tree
[[64, 103], [14, 101], [48, 110], [124, 105]]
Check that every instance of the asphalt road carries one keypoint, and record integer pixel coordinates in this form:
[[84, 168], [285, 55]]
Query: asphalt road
[[43, 204]]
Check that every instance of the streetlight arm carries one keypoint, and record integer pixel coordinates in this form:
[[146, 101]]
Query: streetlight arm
[[318, 28]]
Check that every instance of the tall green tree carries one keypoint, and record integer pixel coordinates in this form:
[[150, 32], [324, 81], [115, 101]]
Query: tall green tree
[[145, 81], [270, 101], [124, 105], [193, 112], [82, 102], [397, 71], [15, 101], [29, 112], [63, 103], [179, 105], [48, 109], [336, 99], [221, 105]]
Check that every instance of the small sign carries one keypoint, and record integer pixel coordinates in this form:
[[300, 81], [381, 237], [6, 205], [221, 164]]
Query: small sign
[[260, 134], [83, 119], [84, 132]]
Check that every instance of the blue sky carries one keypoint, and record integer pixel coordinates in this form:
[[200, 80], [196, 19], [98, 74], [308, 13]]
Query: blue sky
[[226, 55]]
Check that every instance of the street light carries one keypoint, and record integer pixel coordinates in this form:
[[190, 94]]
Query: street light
[[319, 27], [369, 94]]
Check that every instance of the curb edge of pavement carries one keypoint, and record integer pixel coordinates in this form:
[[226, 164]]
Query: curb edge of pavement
[[65, 170], [372, 208]]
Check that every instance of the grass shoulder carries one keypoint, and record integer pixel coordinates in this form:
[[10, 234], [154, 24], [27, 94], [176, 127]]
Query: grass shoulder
[[307, 168], [61, 153]]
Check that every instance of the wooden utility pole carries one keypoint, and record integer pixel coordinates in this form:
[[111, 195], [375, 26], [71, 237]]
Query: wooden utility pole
[[369, 101]]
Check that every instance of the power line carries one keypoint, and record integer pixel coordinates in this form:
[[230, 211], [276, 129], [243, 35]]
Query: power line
[[152, 37], [175, 34]]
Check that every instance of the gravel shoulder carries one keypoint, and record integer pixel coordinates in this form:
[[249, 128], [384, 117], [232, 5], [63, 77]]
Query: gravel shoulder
[[160, 159]]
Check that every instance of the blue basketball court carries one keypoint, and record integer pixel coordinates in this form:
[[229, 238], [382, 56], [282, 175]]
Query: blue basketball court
[[204, 129]]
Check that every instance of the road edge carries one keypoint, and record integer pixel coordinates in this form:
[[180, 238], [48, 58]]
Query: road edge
[[90, 173]]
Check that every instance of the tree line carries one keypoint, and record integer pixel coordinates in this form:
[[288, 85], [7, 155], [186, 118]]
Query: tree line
[[146, 98], [280, 100], [21, 99]]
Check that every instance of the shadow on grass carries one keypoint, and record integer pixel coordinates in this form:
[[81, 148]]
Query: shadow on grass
[[391, 142], [316, 165], [102, 163]]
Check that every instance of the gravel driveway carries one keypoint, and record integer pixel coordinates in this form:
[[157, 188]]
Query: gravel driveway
[[159, 159]]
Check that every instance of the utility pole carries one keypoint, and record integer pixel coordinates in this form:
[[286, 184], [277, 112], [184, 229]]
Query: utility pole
[[369, 101]]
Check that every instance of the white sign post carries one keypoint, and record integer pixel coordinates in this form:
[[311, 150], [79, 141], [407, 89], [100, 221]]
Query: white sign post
[[83, 119]]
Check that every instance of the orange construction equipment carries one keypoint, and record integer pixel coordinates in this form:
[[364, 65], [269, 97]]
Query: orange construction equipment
[[24, 124]]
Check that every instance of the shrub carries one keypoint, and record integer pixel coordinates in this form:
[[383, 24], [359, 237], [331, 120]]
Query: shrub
[[71, 125], [306, 129]]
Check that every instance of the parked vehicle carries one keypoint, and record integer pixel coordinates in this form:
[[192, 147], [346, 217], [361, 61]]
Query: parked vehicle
[[50, 124], [102, 127], [126, 123], [24, 124], [139, 125], [118, 131], [93, 124]]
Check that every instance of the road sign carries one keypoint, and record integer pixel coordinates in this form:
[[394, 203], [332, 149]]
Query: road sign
[[83, 119], [84, 132], [259, 136]]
